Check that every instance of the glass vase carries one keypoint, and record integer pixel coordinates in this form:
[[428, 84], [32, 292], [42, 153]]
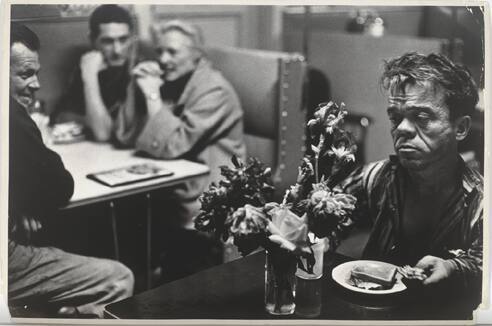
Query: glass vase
[[309, 282], [313, 271], [280, 282]]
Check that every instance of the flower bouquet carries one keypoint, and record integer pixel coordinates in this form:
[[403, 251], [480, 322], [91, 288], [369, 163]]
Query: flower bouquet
[[313, 211]]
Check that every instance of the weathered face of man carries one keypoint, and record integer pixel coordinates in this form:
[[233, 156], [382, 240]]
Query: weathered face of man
[[24, 68], [114, 42], [420, 126], [176, 54]]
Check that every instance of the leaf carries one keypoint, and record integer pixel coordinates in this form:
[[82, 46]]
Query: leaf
[[285, 244], [235, 160]]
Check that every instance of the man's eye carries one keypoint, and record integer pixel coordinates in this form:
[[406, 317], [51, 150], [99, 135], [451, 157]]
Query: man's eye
[[26, 75], [106, 41], [395, 119], [423, 117]]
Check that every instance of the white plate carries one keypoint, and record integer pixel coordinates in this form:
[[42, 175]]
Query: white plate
[[341, 274]]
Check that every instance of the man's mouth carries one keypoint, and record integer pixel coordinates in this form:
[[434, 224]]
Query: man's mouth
[[116, 61], [167, 70], [405, 147], [27, 96]]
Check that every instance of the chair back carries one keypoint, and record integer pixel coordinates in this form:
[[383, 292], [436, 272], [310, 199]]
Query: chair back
[[270, 87]]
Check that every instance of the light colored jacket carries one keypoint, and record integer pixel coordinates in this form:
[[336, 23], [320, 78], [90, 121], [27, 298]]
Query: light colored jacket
[[205, 126]]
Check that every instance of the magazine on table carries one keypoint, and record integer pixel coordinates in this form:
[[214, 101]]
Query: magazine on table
[[129, 174]]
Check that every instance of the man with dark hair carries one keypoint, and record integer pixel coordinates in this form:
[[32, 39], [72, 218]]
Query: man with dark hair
[[38, 185], [425, 202], [98, 87], [24, 40]]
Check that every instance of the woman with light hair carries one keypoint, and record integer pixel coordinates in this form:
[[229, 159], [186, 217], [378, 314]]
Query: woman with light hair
[[190, 111]]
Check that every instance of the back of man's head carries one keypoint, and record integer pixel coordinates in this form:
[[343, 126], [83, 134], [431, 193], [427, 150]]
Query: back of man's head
[[106, 14], [22, 34], [459, 89], [192, 31]]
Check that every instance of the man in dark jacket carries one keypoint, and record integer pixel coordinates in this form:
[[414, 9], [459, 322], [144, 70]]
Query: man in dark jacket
[[38, 185], [425, 203]]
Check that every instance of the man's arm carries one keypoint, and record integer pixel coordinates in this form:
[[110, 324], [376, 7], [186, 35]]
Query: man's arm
[[38, 180], [469, 262], [464, 265], [97, 117], [360, 184]]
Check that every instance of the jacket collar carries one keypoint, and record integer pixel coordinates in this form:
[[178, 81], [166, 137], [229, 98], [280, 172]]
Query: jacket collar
[[470, 179], [202, 66], [458, 204]]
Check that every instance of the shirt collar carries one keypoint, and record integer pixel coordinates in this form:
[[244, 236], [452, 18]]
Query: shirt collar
[[471, 179]]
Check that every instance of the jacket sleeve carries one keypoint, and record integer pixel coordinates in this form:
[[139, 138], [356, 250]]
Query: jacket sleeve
[[38, 180], [130, 118], [360, 184], [168, 136], [468, 263]]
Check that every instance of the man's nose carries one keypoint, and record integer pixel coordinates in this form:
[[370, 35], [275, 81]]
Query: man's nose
[[165, 57], [406, 127], [34, 84], [117, 48]]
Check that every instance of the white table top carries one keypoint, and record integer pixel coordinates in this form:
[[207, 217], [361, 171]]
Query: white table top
[[88, 157]]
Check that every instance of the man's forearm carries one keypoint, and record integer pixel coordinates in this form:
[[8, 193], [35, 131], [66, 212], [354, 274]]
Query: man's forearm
[[97, 117]]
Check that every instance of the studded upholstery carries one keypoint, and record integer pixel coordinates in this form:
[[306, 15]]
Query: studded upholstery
[[270, 88]]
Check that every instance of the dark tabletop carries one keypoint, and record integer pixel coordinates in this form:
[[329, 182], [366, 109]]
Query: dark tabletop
[[235, 291]]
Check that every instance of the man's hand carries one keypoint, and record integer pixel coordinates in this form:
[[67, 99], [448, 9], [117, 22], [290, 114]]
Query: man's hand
[[91, 64], [27, 226], [148, 75], [436, 268]]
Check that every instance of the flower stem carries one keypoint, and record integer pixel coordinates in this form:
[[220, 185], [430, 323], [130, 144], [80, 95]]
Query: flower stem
[[316, 176], [316, 157]]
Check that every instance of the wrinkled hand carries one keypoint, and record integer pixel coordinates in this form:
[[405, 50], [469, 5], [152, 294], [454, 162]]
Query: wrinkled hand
[[148, 76], [92, 63], [27, 226], [146, 68], [436, 268]]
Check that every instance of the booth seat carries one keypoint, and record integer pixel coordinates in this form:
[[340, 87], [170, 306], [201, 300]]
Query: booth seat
[[270, 87]]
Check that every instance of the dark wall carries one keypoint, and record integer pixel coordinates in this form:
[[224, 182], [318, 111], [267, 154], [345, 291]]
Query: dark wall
[[465, 24], [62, 41]]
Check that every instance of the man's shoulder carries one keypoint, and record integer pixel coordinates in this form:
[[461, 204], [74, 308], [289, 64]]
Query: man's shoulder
[[472, 179], [17, 113], [375, 171], [367, 176]]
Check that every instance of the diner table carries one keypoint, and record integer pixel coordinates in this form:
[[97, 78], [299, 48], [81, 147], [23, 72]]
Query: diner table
[[86, 157], [235, 291]]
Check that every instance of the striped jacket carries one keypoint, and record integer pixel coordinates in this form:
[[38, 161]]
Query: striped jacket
[[379, 188]]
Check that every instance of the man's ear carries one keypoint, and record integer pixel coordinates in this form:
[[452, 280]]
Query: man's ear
[[91, 39], [462, 126]]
